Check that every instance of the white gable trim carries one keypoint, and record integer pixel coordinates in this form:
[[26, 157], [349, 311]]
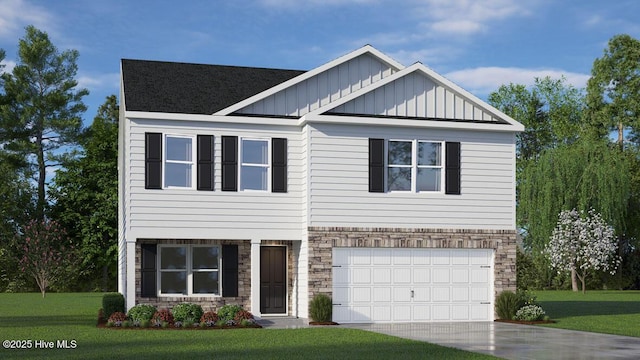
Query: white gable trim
[[512, 124], [367, 49]]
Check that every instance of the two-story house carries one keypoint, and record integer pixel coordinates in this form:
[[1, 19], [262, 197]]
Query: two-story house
[[387, 187]]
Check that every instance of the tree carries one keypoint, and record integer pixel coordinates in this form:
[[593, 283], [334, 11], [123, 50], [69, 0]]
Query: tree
[[85, 198], [581, 243], [613, 91], [44, 253], [587, 174], [41, 114]]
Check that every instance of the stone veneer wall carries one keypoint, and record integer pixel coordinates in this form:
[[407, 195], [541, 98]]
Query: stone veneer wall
[[207, 303], [323, 239]]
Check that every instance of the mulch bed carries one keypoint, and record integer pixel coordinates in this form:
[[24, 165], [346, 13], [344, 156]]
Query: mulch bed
[[525, 322], [103, 325], [323, 323]]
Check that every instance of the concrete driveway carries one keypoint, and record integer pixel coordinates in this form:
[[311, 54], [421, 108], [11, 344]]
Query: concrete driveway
[[513, 341]]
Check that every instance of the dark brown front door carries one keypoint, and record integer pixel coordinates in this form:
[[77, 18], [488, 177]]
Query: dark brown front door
[[273, 280]]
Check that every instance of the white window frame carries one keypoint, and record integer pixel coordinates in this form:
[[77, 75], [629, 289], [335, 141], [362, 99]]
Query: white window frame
[[414, 166], [189, 269], [243, 164], [193, 163]]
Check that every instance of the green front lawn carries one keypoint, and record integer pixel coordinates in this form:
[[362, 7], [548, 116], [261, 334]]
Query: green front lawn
[[73, 317], [609, 312]]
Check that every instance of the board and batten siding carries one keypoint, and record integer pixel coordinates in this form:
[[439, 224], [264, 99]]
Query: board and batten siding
[[338, 181], [193, 214], [323, 88], [415, 95]]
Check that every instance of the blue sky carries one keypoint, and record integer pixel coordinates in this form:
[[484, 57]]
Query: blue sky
[[477, 44]]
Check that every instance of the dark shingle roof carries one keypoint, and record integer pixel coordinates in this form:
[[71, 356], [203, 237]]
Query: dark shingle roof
[[157, 86]]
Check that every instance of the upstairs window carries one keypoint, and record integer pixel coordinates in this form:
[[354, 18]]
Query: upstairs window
[[254, 168], [178, 162], [414, 165]]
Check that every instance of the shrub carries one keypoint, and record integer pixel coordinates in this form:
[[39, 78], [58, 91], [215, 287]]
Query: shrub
[[111, 303], [526, 297], [187, 312], [141, 312], [117, 319], [210, 318], [242, 315], [228, 312], [507, 304], [162, 317], [320, 308], [530, 313]]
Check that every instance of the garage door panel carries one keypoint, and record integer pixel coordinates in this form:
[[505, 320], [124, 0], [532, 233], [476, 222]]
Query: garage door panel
[[382, 294], [460, 294], [441, 294], [460, 276], [402, 257], [341, 276], [421, 275], [460, 312], [441, 275], [361, 257], [382, 313], [441, 312], [381, 257], [460, 257], [401, 276], [341, 295], [402, 313], [362, 294], [401, 294], [421, 294], [361, 276], [421, 257], [480, 275], [407, 285], [382, 276], [421, 312]]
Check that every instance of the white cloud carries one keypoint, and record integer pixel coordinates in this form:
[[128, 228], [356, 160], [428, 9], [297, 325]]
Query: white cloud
[[483, 80], [8, 66], [16, 14], [464, 17], [110, 81], [298, 3]]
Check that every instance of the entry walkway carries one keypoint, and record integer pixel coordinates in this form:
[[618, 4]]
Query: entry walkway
[[511, 341]]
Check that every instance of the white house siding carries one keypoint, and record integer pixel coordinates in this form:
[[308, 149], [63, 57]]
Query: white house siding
[[323, 88], [415, 95], [192, 214], [338, 181]]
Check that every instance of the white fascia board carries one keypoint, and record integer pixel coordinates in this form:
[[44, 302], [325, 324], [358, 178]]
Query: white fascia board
[[400, 122], [252, 120], [513, 125], [311, 73]]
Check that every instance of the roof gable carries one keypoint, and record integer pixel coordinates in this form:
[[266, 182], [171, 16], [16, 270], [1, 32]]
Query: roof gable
[[170, 87], [420, 93], [319, 86]]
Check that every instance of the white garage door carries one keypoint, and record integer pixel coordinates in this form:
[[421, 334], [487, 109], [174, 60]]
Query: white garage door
[[412, 285]]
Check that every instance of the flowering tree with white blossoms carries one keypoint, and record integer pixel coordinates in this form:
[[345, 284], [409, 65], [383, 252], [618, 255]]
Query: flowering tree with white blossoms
[[581, 243]]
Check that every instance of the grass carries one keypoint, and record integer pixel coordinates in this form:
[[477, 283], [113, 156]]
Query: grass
[[73, 317], [608, 312]]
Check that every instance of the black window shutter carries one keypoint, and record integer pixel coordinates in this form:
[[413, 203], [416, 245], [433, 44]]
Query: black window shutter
[[279, 165], [230, 270], [205, 162], [148, 271], [229, 163], [376, 165], [153, 161], [452, 170]]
